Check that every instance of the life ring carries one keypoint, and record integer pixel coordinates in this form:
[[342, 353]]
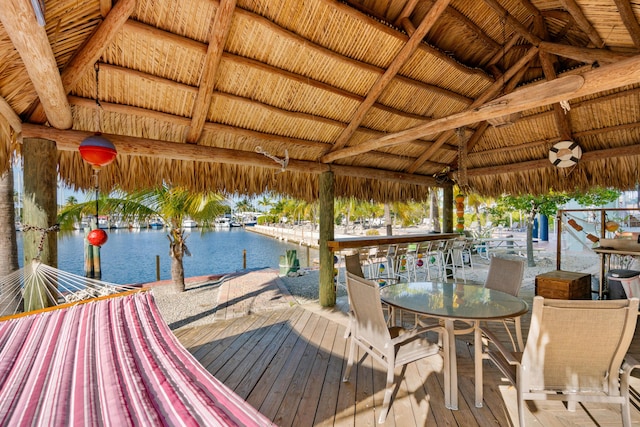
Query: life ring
[[565, 154]]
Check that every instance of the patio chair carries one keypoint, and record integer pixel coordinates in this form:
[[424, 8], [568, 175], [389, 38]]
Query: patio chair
[[391, 346], [352, 265], [506, 275], [575, 352]]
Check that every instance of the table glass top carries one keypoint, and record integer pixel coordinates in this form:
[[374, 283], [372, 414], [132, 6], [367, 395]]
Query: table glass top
[[456, 300]]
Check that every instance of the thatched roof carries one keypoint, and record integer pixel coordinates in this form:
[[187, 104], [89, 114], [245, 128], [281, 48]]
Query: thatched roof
[[391, 96]]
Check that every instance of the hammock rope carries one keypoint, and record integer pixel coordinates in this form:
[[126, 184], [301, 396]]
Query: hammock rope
[[56, 285]]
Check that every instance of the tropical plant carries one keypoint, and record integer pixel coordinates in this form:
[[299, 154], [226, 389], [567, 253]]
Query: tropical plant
[[172, 204], [546, 204]]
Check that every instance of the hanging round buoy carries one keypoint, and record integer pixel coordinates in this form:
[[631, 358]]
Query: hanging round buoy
[[97, 237], [565, 154], [97, 151], [611, 226]]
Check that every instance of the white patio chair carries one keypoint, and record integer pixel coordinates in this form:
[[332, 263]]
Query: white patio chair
[[506, 275], [391, 346], [575, 352]]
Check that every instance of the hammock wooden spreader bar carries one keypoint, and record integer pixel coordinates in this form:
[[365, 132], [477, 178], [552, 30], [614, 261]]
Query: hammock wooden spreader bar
[[108, 362]]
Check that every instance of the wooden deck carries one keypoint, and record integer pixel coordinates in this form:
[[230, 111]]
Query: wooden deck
[[288, 363]]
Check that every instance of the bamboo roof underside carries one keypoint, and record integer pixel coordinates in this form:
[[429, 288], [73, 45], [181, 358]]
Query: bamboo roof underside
[[393, 97]]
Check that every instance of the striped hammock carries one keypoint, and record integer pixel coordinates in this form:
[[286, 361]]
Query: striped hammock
[[112, 361]]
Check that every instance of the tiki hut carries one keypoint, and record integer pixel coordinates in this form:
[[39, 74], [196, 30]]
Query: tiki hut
[[391, 97]]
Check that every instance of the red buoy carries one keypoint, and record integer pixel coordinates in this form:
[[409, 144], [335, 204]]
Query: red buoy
[[97, 151], [97, 237]]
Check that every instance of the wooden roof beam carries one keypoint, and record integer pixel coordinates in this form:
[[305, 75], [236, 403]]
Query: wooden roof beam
[[407, 10], [383, 81], [585, 54], [596, 155], [10, 116], [600, 79], [583, 23], [86, 57], [513, 22], [32, 43], [218, 35], [70, 140], [493, 90], [630, 20], [482, 127]]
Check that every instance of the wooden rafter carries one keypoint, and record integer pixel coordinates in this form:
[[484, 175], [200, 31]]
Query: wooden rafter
[[493, 90], [600, 79], [513, 22], [578, 15], [32, 43], [10, 116], [91, 51], [69, 140], [218, 35], [596, 155], [547, 62], [584, 54], [383, 81], [630, 20], [482, 126]]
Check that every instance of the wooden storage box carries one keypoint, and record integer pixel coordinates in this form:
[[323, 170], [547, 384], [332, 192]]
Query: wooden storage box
[[560, 284]]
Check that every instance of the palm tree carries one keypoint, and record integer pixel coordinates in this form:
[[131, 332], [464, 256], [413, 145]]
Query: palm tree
[[172, 204]]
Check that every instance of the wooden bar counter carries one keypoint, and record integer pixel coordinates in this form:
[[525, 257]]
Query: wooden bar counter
[[338, 245]]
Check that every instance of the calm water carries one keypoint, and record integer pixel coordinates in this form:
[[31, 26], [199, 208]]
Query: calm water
[[130, 256]]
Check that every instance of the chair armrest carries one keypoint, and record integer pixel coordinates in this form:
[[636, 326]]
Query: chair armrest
[[629, 364], [408, 334], [508, 356]]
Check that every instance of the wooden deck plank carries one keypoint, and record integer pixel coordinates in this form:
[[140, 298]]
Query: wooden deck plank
[[319, 371], [295, 391], [327, 411], [262, 388], [258, 355], [223, 367], [286, 373], [269, 354]]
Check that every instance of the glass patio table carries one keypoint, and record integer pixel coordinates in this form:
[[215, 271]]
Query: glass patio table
[[450, 302]]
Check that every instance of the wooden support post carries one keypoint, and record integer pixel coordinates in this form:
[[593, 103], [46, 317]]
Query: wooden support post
[[327, 284], [10, 303], [40, 210], [447, 209]]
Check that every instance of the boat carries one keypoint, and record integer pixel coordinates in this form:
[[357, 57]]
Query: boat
[[156, 224], [103, 223], [189, 223], [222, 222]]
